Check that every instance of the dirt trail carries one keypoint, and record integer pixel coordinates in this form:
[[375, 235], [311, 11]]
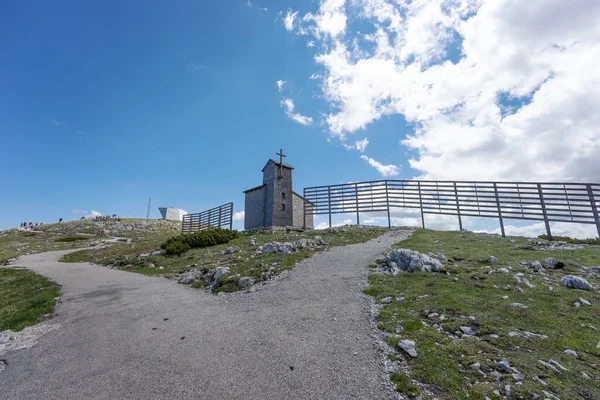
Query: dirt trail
[[128, 336]]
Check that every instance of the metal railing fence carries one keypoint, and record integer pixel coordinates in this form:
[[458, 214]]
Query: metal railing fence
[[218, 217], [534, 201]]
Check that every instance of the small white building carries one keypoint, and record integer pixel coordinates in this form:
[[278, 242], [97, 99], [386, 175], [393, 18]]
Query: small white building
[[171, 213]]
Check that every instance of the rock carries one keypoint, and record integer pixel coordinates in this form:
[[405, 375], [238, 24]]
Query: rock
[[585, 376], [507, 390], [386, 300], [505, 270], [492, 260], [570, 353], [433, 315], [442, 258], [157, 252], [518, 377], [549, 366], [220, 272], [467, 330], [557, 365], [537, 266], [455, 279], [151, 265], [577, 304], [190, 277], [503, 365], [245, 282], [408, 346], [519, 305], [585, 302], [576, 282], [504, 297], [598, 345], [409, 260], [507, 287], [228, 250], [550, 262], [476, 365], [252, 242]]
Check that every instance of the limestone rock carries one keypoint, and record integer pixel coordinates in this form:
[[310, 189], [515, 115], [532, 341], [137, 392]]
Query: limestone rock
[[151, 265], [503, 365], [386, 300], [220, 272], [467, 330], [492, 260], [191, 276], [576, 282], [409, 260], [409, 347], [550, 262], [245, 282], [537, 266], [228, 250], [570, 353]]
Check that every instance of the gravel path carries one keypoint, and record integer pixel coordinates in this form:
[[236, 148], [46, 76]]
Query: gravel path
[[128, 336]]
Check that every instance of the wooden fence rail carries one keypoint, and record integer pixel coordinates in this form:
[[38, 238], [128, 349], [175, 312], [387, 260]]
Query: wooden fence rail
[[217, 217], [535, 201]]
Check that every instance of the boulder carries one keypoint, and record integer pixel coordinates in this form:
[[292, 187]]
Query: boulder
[[252, 242], [537, 266], [408, 346], [409, 260], [550, 262], [503, 365], [190, 277], [151, 265], [492, 260], [245, 282], [576, 282], [220, 272], [467, 330]]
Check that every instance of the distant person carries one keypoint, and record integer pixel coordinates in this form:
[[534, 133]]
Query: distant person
[[36, 224], [59, 220]]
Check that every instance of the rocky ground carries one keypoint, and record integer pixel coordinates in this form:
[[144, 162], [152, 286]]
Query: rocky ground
[[481, 316]]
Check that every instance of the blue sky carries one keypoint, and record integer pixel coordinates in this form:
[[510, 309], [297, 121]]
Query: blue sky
[[105, 104]]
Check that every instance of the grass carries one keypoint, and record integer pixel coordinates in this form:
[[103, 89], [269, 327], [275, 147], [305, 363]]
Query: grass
[[443, 364], [242, 262], [567, 239], [26, 298], [77, 234]]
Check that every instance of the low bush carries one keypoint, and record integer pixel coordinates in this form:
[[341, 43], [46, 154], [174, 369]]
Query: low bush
[[176, 248], [178, 245]]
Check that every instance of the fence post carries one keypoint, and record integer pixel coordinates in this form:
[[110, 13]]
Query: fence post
[[220, 210], [458, 208], [231, 217], [541, 194], [594, 208], [499, 210], [421, 205], [329, 203], [304, 211], [387, 202], [356, 198]]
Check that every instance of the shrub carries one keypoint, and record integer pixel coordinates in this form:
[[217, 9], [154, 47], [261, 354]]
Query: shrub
[[176, 248], [197, 240]]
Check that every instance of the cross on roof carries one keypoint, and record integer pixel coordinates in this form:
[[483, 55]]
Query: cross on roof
[[281, 155]]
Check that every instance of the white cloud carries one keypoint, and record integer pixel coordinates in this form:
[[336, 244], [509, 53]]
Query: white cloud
[[384, 170], [289, 19], [289, 106], [57, 123], [310, 43], [448, 67], [360, 145], [239, 216], [251, 5], [280, 84]]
